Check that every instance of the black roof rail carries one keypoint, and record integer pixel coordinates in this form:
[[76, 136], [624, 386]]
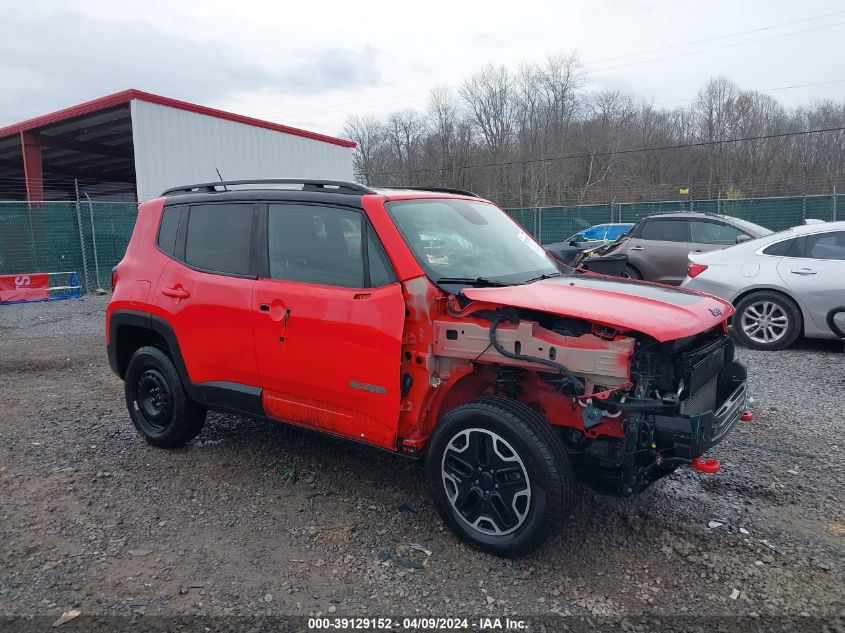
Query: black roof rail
[[460, 192], [327, 186]]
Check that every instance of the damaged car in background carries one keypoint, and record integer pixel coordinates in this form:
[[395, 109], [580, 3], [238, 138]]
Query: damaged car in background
[[426, 323]]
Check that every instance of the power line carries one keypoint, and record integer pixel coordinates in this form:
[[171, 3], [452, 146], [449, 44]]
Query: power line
[[815, 83], [345, 103], [717, 37], [714, 48], [613, 153], [335, 108]]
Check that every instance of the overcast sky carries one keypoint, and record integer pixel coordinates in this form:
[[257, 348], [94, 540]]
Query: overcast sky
[[310, 64]]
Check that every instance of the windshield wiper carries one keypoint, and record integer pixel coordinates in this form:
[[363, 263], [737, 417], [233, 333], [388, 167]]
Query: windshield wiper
[[471, 281], [543, 276]]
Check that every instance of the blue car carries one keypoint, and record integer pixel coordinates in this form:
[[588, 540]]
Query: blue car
[[594, 236]]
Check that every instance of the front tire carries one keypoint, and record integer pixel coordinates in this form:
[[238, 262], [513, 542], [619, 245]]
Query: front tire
[[499, 475], [160, 409], [767, 321]]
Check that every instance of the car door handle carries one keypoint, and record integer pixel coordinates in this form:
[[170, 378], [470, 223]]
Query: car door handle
[[264, 307], [177, 292], [637, 248], [803, 271]]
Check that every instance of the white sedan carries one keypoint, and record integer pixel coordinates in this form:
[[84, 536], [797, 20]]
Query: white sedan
[[783, 285]]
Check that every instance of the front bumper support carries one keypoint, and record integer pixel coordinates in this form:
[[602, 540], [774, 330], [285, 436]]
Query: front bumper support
[[691, 436]]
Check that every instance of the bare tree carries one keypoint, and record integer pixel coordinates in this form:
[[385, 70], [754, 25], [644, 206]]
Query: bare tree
[[538, 135], [367, 132]]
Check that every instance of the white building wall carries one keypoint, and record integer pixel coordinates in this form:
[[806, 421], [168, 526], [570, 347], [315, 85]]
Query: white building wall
[[175, 147]]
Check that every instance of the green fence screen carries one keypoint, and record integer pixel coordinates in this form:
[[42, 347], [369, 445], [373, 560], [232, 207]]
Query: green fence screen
[[556, 224], [60, 236], [54, 237]]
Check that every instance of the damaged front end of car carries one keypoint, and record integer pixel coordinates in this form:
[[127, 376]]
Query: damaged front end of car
[[685, 396], [631, 408]]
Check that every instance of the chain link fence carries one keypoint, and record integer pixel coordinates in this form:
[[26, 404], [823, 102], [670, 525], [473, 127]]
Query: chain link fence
[[556, 224], [86, 238], [89, 238]]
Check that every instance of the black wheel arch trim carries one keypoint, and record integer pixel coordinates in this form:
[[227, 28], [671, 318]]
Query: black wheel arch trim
[[228, 396], [832, 324]]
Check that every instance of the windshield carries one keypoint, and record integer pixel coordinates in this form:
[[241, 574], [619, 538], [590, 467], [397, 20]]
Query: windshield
[[468, 239]]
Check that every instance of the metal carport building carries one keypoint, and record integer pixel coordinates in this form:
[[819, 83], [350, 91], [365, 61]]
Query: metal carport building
[[132, 145]]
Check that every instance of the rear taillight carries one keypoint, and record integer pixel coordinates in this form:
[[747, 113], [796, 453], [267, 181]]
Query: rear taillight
[[113, 278], [694, 270]]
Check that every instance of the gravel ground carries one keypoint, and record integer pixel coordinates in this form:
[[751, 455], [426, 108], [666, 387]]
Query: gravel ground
[[256, 518]]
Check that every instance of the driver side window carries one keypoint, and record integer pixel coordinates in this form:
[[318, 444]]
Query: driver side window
[[315, 244], [713, 233]]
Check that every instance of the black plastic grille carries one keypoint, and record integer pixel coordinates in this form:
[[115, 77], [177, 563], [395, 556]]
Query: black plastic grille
[[702, 372], [702, 400]]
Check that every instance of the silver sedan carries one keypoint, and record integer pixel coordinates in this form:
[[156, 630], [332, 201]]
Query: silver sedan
[[782, 285]]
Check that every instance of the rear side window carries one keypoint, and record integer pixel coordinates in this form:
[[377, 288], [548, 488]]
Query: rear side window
[[826, 246], [713, 233], [167, 229], [665, 230], [315, 244], [786, 248], [220, 238]]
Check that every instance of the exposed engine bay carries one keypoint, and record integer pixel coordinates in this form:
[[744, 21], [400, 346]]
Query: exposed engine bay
[[630, 408]]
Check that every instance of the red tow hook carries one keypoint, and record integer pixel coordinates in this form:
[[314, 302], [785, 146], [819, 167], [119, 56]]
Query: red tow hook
[[747, 416], [708, 466]]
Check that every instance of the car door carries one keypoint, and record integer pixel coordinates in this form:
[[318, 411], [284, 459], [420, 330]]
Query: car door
[[328, 314], [205, 292], [658, 249], [816, 277]]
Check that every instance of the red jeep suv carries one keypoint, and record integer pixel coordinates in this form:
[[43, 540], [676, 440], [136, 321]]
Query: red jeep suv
[[424, 322]]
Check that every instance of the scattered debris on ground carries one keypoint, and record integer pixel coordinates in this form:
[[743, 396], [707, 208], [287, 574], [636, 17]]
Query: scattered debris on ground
[[257, 518]]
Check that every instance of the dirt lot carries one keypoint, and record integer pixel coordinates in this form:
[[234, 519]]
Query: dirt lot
[[257, 518]]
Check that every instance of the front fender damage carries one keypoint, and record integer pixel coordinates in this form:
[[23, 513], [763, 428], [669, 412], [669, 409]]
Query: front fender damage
[[630, 408]]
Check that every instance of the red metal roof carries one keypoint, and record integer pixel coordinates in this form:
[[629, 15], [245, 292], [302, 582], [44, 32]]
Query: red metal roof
[[126, 96]]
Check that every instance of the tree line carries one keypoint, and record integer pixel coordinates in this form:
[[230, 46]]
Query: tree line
[[540, 135]]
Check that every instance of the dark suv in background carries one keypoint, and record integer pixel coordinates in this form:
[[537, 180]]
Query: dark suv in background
[[658, 245]]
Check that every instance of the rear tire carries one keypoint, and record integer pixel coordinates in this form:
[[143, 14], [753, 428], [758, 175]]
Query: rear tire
[[767, 321], [631, 272], [499, 475], [160, 409]]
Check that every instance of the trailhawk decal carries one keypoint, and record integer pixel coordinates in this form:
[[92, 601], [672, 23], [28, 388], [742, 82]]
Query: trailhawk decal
[[365, 387]]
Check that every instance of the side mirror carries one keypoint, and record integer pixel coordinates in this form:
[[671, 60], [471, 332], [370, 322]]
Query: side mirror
[[742, 238], [573, 242]]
